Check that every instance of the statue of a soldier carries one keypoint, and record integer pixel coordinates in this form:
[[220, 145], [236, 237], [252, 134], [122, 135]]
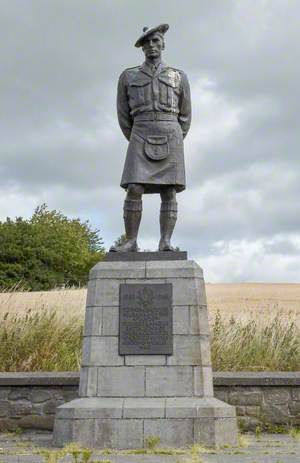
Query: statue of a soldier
[[154, 112]]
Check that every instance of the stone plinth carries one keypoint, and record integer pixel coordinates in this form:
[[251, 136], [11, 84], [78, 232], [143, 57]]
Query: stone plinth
[[126, 398]]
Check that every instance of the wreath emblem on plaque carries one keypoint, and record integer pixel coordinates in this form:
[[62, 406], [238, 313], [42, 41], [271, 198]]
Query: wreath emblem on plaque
[[145, 298]]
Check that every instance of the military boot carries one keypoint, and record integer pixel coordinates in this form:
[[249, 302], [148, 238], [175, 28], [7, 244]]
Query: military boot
[[167, 220], [132, 219]]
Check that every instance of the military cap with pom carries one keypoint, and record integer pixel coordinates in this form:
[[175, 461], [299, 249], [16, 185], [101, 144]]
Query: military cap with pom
[[161, 29]]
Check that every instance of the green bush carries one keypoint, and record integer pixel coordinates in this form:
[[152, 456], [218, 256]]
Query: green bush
[[47, 250]]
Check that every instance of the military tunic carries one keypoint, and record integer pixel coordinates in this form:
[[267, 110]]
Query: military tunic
[[154, 113]]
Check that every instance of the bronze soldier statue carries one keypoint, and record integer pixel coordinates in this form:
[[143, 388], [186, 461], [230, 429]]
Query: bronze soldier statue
[[154, 113]]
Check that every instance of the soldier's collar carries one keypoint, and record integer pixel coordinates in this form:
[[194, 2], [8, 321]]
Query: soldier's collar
[[146, 69]]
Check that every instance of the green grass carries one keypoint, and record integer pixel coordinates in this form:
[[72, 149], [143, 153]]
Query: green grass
[[45, 341]]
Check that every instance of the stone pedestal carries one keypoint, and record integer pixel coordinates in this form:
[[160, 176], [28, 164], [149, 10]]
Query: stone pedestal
[[126, 398]]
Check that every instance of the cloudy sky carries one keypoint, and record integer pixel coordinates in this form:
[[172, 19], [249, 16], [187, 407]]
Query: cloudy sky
[[61, 144]]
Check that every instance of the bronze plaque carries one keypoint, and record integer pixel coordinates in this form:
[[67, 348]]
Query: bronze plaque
[[146, 319]]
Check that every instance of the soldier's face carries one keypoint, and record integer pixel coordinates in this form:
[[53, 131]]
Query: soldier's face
[[153, 46]]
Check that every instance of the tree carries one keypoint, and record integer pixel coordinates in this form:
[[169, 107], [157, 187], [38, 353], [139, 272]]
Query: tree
[[47, 250], [120, 240]]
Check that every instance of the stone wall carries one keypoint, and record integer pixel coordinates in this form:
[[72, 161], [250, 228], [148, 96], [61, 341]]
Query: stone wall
[[261, 399], [28, 400]]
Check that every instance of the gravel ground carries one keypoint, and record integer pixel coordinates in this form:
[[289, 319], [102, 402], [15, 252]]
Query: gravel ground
[[268, 448]]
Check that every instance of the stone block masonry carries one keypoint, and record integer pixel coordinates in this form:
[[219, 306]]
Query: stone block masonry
[[146, 343], [29, 400]]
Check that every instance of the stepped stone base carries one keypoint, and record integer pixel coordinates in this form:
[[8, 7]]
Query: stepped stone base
[[126, 423], [124, 399]]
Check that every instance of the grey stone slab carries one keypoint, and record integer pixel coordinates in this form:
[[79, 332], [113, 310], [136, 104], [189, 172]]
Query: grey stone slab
[[100, 351], [84, 432], [37, 378], [118, 270], [86, 351], [190, 350], [261, 378], [205, 350], [93, 321], [172, 432], [181, 407], [121, 381], [144, 281], [193, 407], [199, 320], [181, 320], [215, 432], [110, 321], [88, 381], [103, 292], [169, 381], [221, 378], [145, 360], [145, 256], [62, 432], [203, 381], [64, 412], [173, 269], [119, 434], [144, 408], [91, 408], [205, 431], [188, 291]]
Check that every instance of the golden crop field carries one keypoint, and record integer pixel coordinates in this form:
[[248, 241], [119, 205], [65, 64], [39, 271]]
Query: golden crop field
[[253, 327], [258, 299], [238, 300]]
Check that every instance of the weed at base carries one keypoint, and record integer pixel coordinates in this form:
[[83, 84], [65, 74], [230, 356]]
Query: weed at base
[[107, 451], [258, 432], [151, 442], [136, 452], [195, 449], [295, 433], [161, 451]]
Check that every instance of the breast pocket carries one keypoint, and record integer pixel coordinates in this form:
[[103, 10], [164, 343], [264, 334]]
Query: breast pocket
[[140, 91], [168, 91]]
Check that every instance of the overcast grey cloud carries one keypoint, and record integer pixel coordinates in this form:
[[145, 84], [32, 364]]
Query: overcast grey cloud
[[61, 144]]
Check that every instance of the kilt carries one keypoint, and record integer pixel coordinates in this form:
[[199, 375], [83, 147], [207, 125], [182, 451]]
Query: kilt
[[155, 156]]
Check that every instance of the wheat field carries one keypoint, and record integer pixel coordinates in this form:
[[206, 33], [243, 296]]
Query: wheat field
[[253, 327], [238, 300]]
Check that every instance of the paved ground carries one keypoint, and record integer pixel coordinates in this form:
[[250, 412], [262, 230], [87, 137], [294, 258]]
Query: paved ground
[[268, 448]]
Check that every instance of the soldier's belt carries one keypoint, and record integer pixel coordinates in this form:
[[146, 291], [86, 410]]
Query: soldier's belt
[[155, 116]]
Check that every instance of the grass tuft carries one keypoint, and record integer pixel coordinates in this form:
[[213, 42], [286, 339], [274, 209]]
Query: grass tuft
[[243, 441], [151, 442], [255, 344], [295, 433], [39, 341]]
